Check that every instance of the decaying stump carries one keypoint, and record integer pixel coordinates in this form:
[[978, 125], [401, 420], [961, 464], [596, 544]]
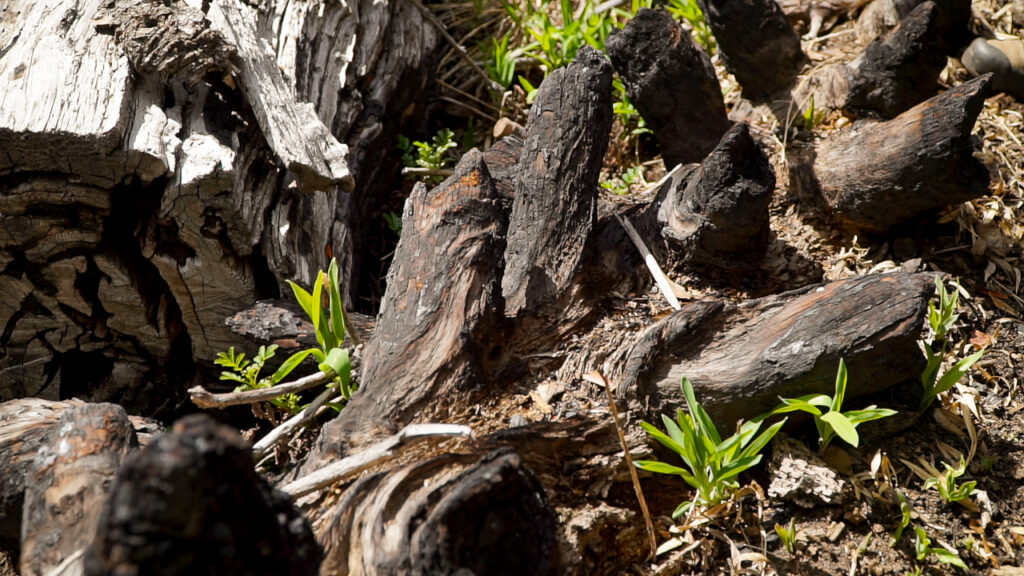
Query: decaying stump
[[875, 176], [191, 503], [451, 514], [442, 317], [67, 486], [759, 46], [159, 172], [555, 205], [742, 357], [672, 83], [717, 216]]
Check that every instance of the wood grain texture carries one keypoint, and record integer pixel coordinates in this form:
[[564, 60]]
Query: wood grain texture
[[742, 357]]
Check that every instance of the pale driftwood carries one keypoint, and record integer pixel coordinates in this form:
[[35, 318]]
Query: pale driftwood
[[68, 484], [190, 503], [288, 427], [742, 357], [664, 284], [205, 399], [800, 476], [341, 469], [672, 83], [555, 205], [875, 176]]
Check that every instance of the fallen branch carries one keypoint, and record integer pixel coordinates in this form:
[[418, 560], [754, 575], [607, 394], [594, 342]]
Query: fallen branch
[[353, 464], [205, 399], [288, 427], [659, 277]]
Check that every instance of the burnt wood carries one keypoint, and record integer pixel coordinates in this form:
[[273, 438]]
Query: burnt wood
[[742, 357], [875, 176], [555, 206], [717, 217], [758, 44], [672, 83], [191, 503]]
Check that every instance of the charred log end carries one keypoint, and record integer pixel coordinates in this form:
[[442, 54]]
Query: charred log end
[[191, 503], [672, 83], [555, 205], [495, 519], [719, 218], [900, 68], [874, 177], [758, 44]]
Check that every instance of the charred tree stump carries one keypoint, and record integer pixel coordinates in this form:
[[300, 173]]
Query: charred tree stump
[[717, 217], [442, 315], [952, 21], [875, 176], [672, 83], [68, 484], [901, 68], [191, 503], [741, 358], [555, 205], [446, 515], [759, 46]]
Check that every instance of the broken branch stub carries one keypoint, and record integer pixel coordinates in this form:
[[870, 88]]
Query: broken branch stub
[[672, 83], [555, 205]]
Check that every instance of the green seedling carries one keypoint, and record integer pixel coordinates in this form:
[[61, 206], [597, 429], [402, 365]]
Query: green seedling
[[712, 464], [623, 183], [431, 155], [941, 318], [923, 548], [247, 374], [905, 514], [833, 422], [946, 484], [787, 535]]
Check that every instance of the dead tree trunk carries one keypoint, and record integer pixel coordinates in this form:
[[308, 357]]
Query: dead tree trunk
[[875, 176], [672, 83], [68, 484], [741, 358], [160, 171]]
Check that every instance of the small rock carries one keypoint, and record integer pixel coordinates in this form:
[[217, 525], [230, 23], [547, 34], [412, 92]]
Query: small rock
[[802, 477]]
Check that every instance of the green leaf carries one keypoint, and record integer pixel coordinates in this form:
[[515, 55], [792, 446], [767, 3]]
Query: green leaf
[[700, 417], [757, 445], [337, 361], [798, 404], [337, 317], [734, 468], [840, 395], [842, 427], [954, 374], [232, 376], [304, 299], [858, 417], [947, 557], [663, 439], [659, 467], [288, 365]]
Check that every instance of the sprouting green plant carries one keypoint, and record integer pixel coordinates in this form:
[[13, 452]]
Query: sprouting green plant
[[328, 326], [624, 181], [906, 512], [812, 117], [834, 422], [394, 222], [946, 484], [501, 66], [787, 535], [923, 548], [431, 155], [712, 464], [247, 374], [627, 113], [941, 319], [690, 11]]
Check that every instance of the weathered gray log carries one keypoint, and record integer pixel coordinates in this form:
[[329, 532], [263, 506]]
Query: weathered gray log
[[717, 217], [759, 46], [555, 204], [191, 503], [672, 83], [451, 514], [742, 357], [875, 176], [441, 321], [67, 486], [163, 174]]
